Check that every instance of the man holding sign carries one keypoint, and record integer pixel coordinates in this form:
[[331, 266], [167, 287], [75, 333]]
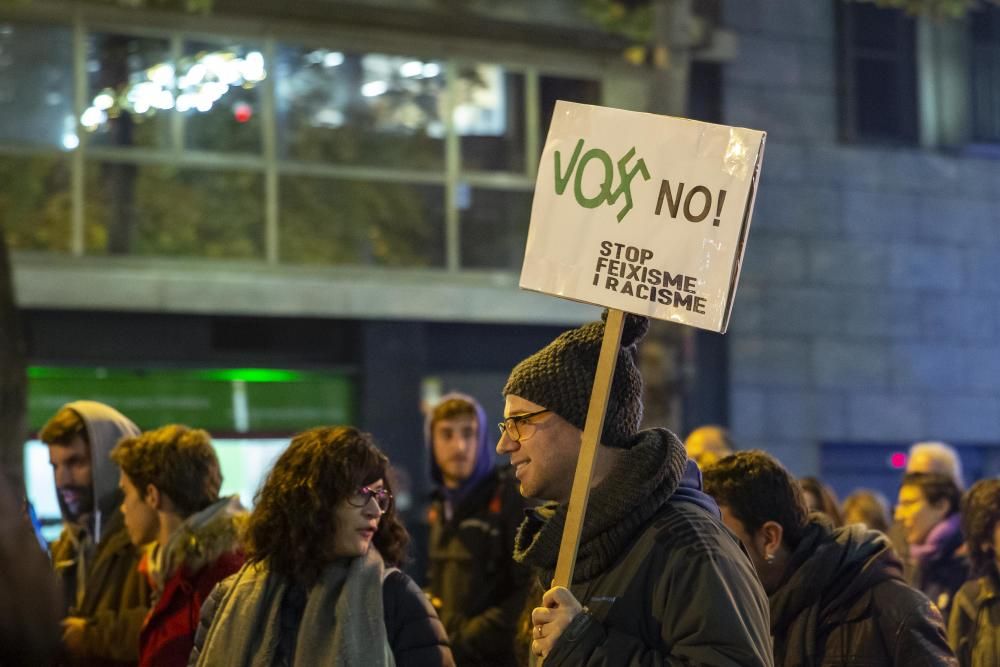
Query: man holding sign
[[658, 579]]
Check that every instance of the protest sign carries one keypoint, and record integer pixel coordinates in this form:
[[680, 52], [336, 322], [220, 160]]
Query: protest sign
[[644, 214]]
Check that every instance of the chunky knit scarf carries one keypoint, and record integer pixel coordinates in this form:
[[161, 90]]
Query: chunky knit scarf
[[342, 623], [643, 479]]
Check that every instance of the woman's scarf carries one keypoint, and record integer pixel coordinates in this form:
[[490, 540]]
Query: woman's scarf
[[342, 623]]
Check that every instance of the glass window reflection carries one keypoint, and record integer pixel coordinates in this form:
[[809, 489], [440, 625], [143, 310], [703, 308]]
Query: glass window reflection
[[36, 85], [494, 226], [218, 91], [325, 221], [130, 91], [362, 109], [489, 118], [34, 202], [156, 210]]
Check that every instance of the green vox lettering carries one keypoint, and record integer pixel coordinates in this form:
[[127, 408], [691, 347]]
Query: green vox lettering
[[579, 164]]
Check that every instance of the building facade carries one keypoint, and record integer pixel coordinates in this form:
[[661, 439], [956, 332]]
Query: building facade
[[868, 311]]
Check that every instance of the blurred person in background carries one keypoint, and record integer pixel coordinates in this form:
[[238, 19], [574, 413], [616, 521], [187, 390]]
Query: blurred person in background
[[928, 512], [820, 498], [939, 457], [106, 596], [474, 583], [170, 479], [837, 595], [321, 585], [867, 507], [707, 444], [930, 457], [974, 626]]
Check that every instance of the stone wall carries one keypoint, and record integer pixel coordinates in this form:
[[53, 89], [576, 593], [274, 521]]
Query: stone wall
[[868, 308]]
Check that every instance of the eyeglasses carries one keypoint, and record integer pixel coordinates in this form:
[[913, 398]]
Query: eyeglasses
[[518, 428], [363, 496]]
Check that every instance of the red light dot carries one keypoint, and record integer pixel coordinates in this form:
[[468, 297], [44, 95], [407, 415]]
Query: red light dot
[[242, 112], [898, 460]]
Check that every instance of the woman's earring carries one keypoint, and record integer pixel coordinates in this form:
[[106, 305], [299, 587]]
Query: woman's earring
[[769, 559]]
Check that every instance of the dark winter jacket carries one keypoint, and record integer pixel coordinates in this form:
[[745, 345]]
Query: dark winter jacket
[[664, 581], [415, 634], [474, 583], [844, 602], [974, 626], [100, 576], [30, 594], [939, 564], [200, 554]]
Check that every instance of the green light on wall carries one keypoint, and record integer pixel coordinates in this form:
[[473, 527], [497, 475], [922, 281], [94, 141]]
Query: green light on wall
[[251, 375], [206, 374]]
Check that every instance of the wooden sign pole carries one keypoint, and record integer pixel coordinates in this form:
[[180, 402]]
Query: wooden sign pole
[[592, 430]]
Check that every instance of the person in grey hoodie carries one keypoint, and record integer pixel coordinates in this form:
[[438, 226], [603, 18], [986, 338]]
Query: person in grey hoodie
[[106, 598]]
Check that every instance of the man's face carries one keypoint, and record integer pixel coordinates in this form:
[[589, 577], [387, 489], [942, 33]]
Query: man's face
[[71, 468], [455, 448], [916, 514], [545, 462], [141, 520], [735, 525]]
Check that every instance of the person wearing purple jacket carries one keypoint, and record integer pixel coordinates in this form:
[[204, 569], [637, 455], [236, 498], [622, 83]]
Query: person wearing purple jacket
[[658, 579], [928, 511]]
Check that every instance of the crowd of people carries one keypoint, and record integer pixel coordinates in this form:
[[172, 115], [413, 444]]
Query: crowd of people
[[690, 552]]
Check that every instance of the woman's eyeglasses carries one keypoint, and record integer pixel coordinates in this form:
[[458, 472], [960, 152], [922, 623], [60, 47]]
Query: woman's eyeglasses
[[517, 428], [363, 496]]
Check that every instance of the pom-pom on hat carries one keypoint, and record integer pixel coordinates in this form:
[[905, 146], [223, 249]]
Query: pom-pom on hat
[[560, 377]]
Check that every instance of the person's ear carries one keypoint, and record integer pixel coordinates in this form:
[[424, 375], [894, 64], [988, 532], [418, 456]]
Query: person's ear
[[768, 539], [152, 497]]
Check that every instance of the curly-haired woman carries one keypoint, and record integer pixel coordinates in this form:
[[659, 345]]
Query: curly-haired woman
[[319, 587], [974, 627]]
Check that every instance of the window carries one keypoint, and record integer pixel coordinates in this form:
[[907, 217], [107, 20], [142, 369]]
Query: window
[[130, 91], [985, 75], [165, 210], [361, 109], [218, 92], [215, 146], [35, 202], [877, 74], [367, 223], [494, 227], [489, 118], [36, 85]]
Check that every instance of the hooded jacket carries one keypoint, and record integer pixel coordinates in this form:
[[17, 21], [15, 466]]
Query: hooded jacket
[[474, 583], [974, 626], [665, 583], [96, 561], [844, 602], [203, 551]]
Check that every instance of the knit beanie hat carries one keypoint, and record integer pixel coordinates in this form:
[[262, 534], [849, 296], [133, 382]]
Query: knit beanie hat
[[560, 377]]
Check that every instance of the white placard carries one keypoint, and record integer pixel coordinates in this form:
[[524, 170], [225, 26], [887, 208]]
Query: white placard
[[644, 213]]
